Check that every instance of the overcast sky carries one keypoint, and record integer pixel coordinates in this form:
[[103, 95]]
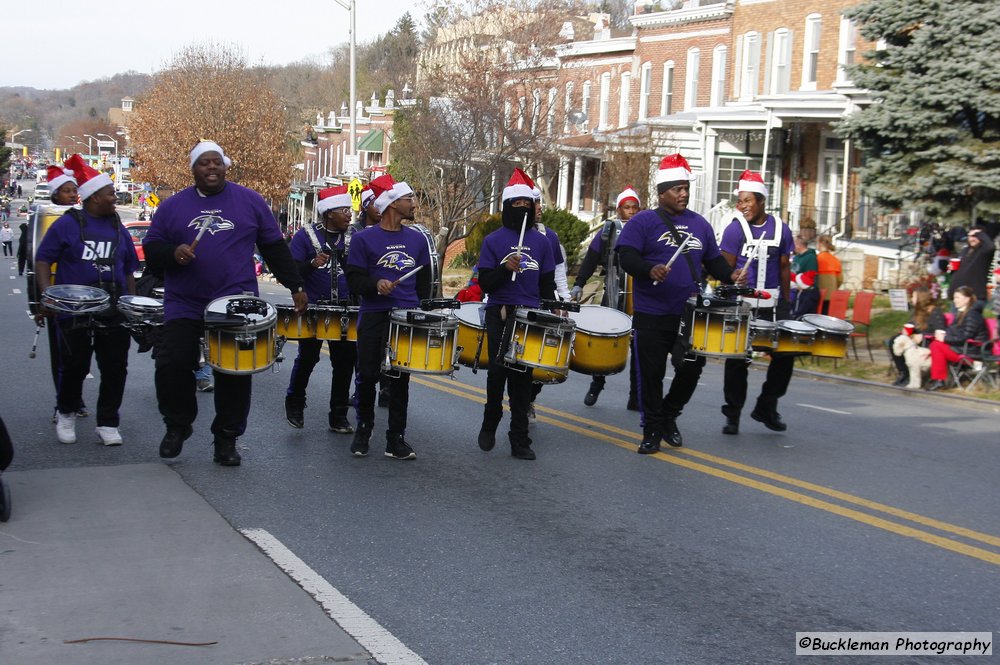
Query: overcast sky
[[58, 43]]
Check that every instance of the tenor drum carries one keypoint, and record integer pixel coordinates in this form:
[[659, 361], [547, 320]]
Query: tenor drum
[[141, 311], [717, 327], [831, 335], [295, 325], [628, 294], [794, 337], [762, 333], [435, 258], [472, 335], [539, 339], [39, 222], [75, 299], [600, 347], [336, 323], [422, 342], [239, 334]]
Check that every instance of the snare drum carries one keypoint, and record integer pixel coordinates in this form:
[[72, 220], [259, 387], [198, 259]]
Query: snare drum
[[336, 323], [600, 347], [539, 339], [794, 337], [831, 335], [75, 299], [762, 333], [547, 376], [472, 335], [239, 334], [141, 311], [295, 325], [422, 342], [718, 328]]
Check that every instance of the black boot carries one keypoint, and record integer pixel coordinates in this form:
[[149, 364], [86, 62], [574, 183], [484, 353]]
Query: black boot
[[902, 370], [363, 433], [732, 415], [294, 411], [339, 422], [173, 441], [225, 451], [590, 399], [488, 436], [396, 446], [520, 447]]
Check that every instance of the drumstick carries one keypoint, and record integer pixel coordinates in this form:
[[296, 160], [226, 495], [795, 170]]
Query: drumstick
[[673, 258], [201, 232], [34, 346], [753, 254], [407, 276], [520, 242]]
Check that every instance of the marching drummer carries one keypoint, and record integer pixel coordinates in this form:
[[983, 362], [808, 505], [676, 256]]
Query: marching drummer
[[600, 254], [202, 239], [91, 248], [645, 247], [762, 244], [388, 266], [320, 254], [516, 268]]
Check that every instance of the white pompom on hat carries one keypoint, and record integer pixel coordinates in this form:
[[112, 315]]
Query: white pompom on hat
[[209, 146], [751, 182], [57, 176]]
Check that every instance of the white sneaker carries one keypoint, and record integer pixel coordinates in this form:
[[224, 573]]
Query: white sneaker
[[66, 427], [110, 436]]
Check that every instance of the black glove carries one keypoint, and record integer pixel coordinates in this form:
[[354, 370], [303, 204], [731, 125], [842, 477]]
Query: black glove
[[783, 309]]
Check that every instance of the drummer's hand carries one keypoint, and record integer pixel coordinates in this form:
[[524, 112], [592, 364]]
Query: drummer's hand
[[320, 260], [301, 301], [513, 263], [385, 287], [575, 293], [43, 313], [659, 272], [183, 255], [739, 278]]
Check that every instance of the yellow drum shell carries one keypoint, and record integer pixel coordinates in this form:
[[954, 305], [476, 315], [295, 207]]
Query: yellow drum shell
[[336, 323], [470, 332], [601, 343], [719, 331], [422, 348], [547, 376], [539, 343], [831, 335], [794, 337], [295, 325], [762, 334], [628, 295], [243, 347]]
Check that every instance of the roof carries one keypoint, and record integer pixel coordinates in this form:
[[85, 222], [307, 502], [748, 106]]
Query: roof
[[373, 141]]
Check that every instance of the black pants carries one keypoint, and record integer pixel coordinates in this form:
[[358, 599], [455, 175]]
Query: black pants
[[779, 375], [8, 248], [343, 356], [653, 339], [498, 376], [76, 346], [806, 302], [373, 334], [176, 360]]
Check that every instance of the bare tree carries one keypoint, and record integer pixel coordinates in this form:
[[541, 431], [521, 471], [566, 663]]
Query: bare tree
[[208, 92]]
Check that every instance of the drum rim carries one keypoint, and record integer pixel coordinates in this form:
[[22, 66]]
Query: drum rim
[[448, 319], [600, 309], [269, 320], [98, 294], [845, 328], [783, 325]]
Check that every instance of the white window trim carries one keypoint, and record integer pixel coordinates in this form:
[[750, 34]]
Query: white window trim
[[585, 101], [624, 96], [776, 87], [750, 74], [691, 78], [667, 93], [645, 83], [848, 43], [718, 93], [813, 31], [604, 106]]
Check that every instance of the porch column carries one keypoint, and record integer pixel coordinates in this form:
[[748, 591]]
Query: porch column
[[577, 183], [563, 193]]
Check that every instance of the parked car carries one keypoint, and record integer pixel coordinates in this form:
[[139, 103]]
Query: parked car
[[43, 192], [138, 230]]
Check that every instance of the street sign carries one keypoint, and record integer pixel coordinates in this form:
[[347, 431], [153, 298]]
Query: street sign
[[153, 200], [354, 189], [352, 164]]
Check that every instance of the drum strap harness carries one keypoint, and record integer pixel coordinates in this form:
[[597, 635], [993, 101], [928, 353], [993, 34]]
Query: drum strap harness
[[111, 286], [763, 245]]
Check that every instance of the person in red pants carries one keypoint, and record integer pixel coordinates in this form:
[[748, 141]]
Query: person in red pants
[[968, 325]]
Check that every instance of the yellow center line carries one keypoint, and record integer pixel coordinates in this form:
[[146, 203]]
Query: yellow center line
[[474, 393]]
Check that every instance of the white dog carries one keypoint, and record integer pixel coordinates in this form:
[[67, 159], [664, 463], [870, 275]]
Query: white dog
[[918, 358]]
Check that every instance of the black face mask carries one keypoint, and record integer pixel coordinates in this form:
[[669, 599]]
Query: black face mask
[[514, 217]]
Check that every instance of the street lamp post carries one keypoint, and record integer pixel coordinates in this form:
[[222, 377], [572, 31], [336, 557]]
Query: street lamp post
[[113, 140], [14, 134], [90, 150], [351, 6]]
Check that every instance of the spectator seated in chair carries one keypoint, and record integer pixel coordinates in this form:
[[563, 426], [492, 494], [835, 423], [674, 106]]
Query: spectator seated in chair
[[919, 331], [968, 326]]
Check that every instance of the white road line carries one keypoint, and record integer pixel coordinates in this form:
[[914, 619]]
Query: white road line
[[823, 408], [382, 644]]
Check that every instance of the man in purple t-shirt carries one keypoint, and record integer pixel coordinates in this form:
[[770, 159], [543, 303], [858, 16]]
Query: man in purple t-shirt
[[762, 244], [533, 266], [91, 248], [236, 220], [660, 292], [380, 258], [320, 254]]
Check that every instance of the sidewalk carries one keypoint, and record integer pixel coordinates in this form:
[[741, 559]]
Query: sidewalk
[[132, 551]]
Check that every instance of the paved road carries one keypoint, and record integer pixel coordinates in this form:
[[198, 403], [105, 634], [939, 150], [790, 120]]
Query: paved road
[[877, 510]]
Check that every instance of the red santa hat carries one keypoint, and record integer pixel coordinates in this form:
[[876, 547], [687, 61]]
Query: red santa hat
[[89, 180], [627, 194], [385, 199], [804, 280], [59, 176], [673, 168], [333, 197], [519, 186], [751, 182], [376, 187]]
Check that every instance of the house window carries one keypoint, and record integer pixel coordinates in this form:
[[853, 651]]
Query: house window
[[810, 51], [536, 109], [605, 102], [667, 95], [728, 170], [691, 79], [550, 112], [645, 83], [848, 46], [522, 105], [749, 77], [781, 61], [623, 99], [718, 96], [585, 102], [568, 107]]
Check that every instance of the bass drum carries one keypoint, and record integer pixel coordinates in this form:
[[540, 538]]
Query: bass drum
[[435, 258], [40, 220]]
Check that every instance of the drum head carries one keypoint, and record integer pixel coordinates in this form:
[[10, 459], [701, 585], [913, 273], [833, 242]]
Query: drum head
[[76, 293], [762, 324], [472, 314], [217, 313], [828, 323], [140, 304], [796, 327], [601, 320]]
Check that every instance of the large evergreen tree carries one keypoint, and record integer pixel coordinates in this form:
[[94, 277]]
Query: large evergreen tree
[[932, 135]]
